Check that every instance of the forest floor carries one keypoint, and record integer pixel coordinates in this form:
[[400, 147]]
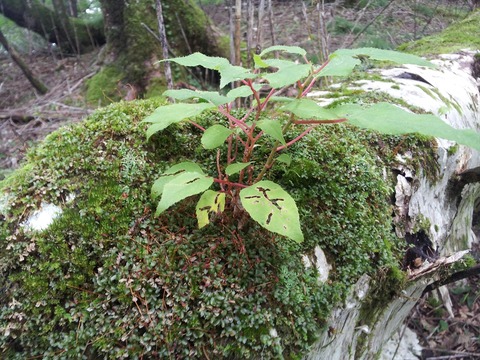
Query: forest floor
[[26, 117]]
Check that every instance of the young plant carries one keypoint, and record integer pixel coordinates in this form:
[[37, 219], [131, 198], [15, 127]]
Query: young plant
[[265, 201]]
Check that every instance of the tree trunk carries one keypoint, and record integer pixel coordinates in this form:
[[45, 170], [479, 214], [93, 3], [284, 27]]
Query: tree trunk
[[71, 35], [442, 197], [163, 40], [133, 50], [36, 83]]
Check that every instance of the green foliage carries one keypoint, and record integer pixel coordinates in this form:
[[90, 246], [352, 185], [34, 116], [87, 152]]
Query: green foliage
[[103, 88], [109, 280], [460, 35], [268, 203]]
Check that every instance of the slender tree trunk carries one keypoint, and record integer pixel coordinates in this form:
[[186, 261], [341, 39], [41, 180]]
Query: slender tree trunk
[[251, 22], [238, 35], [261, 12], [36, 83], [163, 39], [271, 22], [231, 23]]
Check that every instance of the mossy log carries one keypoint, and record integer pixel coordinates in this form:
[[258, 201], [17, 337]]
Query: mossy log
[[85, 267]]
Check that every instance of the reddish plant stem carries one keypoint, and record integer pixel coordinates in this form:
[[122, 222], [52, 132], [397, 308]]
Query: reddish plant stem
[[267, 99], [299, 137], [226, 182], [219, 170], [232, 118], [196, 125]]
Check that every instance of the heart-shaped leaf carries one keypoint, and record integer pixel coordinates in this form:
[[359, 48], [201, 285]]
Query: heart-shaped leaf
[[272, 128], [215, 136], [164, 116], [171, 173], [273, 208], [182, 186], [236, 168]]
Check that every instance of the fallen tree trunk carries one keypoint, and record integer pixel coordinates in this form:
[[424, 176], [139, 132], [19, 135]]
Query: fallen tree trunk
[[436, 197]]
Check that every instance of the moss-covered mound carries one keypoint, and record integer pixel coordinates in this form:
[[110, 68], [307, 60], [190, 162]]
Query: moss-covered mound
[[109, 280], [461, 35]]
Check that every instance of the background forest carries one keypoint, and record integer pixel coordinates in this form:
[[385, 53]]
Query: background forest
[[78, 55]]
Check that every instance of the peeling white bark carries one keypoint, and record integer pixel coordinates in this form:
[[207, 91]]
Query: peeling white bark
[[452, 94]]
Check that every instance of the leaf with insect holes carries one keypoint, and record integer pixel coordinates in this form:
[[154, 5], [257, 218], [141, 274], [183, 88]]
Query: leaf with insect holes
[[164, 116], [236, 168], [210, 96], [285, 158], [309, 109], [288, 72], [210, 202], [228, 72], [181, 187], [171, 173], [343, 61], [273, 208], [390, 119], [215, 136], [272, 128], [290, 49]]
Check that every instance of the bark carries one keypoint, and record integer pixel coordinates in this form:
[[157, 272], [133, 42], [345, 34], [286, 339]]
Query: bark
[[163, 39], [237, 36], [36, 83], [71, 35], [133, 50], [445, 201]]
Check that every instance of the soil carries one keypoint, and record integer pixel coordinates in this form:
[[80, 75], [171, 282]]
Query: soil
[[26, 117]]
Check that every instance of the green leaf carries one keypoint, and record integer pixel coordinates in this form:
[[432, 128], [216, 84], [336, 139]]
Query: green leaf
[[282, 99], [285, 158], [339, 65], [210, 96], [243, 91], [273, 208], [290, 49], [236, 168], [390, 119], [215, 136], [272, 128], [259, 63], [228, 72], [309, 109], [181, 187], [388, 55], [210, 202], [164, 116], [288, 72], [199, 59], [343, 61], [171, 173]]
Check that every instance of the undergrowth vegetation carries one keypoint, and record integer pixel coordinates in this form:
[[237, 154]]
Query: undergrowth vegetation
[[106, 278]]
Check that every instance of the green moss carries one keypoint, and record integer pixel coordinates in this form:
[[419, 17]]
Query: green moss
[[461, 35], [107, 278], [384, 287], [155, 88], [103, 88]]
